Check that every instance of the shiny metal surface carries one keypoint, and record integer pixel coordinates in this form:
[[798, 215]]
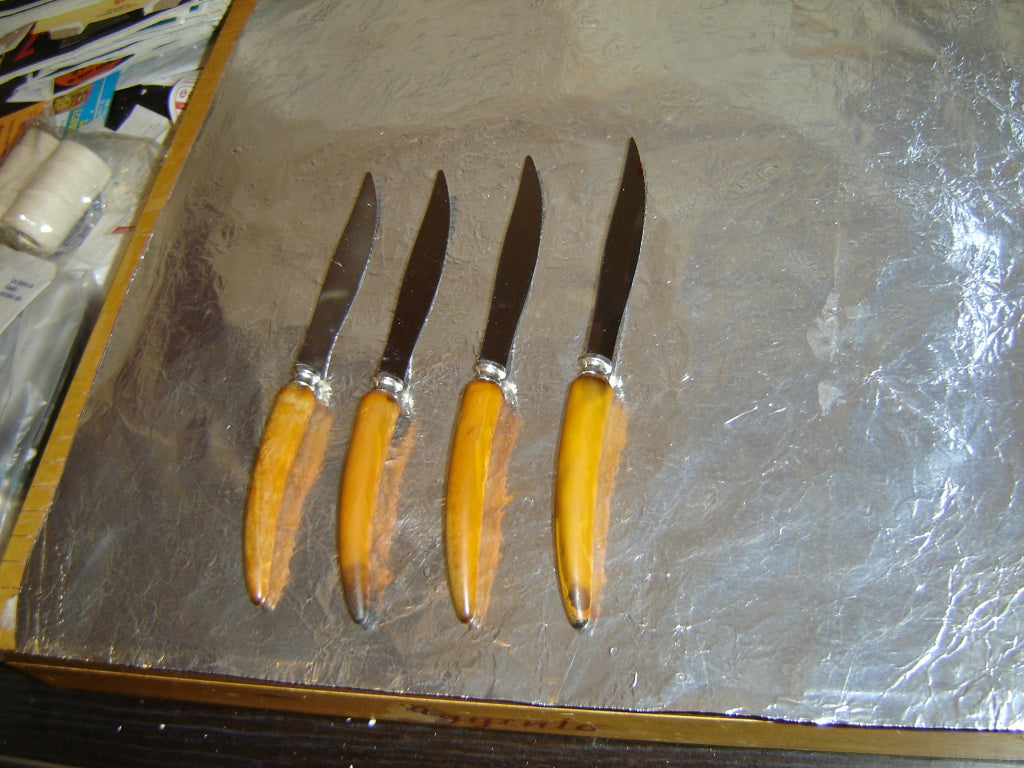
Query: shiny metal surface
[[818, 510], [515, 269], [419, 283], [341, 281], [621, 253]]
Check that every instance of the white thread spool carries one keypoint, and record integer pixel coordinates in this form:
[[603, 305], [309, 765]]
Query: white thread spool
[[55, 199], [22, 162]]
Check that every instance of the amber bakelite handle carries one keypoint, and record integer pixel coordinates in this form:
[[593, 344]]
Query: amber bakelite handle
[[360, 482], [479, 412], [289, 418], [576, 484]]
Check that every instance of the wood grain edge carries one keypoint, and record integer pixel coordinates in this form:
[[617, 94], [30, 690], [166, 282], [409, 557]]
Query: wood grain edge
[[55, 453], [664, 727]]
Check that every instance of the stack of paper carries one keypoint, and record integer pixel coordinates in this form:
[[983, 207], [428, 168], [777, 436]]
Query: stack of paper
[[86, 56]]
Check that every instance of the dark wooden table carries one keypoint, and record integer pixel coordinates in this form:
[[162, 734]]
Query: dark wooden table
[[42, 725]]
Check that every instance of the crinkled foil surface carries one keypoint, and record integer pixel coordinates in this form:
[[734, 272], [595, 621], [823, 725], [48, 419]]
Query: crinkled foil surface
[[817, 514]]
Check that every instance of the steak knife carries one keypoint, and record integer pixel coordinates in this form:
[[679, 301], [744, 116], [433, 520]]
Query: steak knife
[[483, 397], [590, 398], [302, 403], [379, 408]]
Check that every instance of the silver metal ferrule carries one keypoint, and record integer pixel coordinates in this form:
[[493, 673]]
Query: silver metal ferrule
[[308, 377], [490, 371], [390, 385], [595, 365]]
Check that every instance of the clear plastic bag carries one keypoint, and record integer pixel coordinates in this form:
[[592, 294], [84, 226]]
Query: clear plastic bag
[[41, 345]]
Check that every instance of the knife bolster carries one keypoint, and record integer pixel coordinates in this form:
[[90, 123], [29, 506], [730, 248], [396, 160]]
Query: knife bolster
[[312, 380], [393, 387], [488, 370], [593, 364]]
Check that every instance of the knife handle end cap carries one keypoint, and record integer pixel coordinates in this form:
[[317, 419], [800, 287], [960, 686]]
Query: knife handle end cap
[[577, 606]]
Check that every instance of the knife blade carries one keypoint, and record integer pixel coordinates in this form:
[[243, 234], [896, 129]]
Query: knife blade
[[483, 398], [299, 414], [379, 409], [590, 398]]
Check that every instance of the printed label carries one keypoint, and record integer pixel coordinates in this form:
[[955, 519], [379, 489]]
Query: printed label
[[551, 724], [22, 278]]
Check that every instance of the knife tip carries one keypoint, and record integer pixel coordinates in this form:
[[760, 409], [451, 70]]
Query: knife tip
[[439, 195], [531, 179]]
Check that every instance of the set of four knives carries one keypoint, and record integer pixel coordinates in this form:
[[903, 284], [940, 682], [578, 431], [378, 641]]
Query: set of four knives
[[287, 461]]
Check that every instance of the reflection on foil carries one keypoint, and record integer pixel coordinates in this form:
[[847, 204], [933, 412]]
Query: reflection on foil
[[815, 515]]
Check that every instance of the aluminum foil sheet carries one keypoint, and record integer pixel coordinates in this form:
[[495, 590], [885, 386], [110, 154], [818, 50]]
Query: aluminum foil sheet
[[817, 514]]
